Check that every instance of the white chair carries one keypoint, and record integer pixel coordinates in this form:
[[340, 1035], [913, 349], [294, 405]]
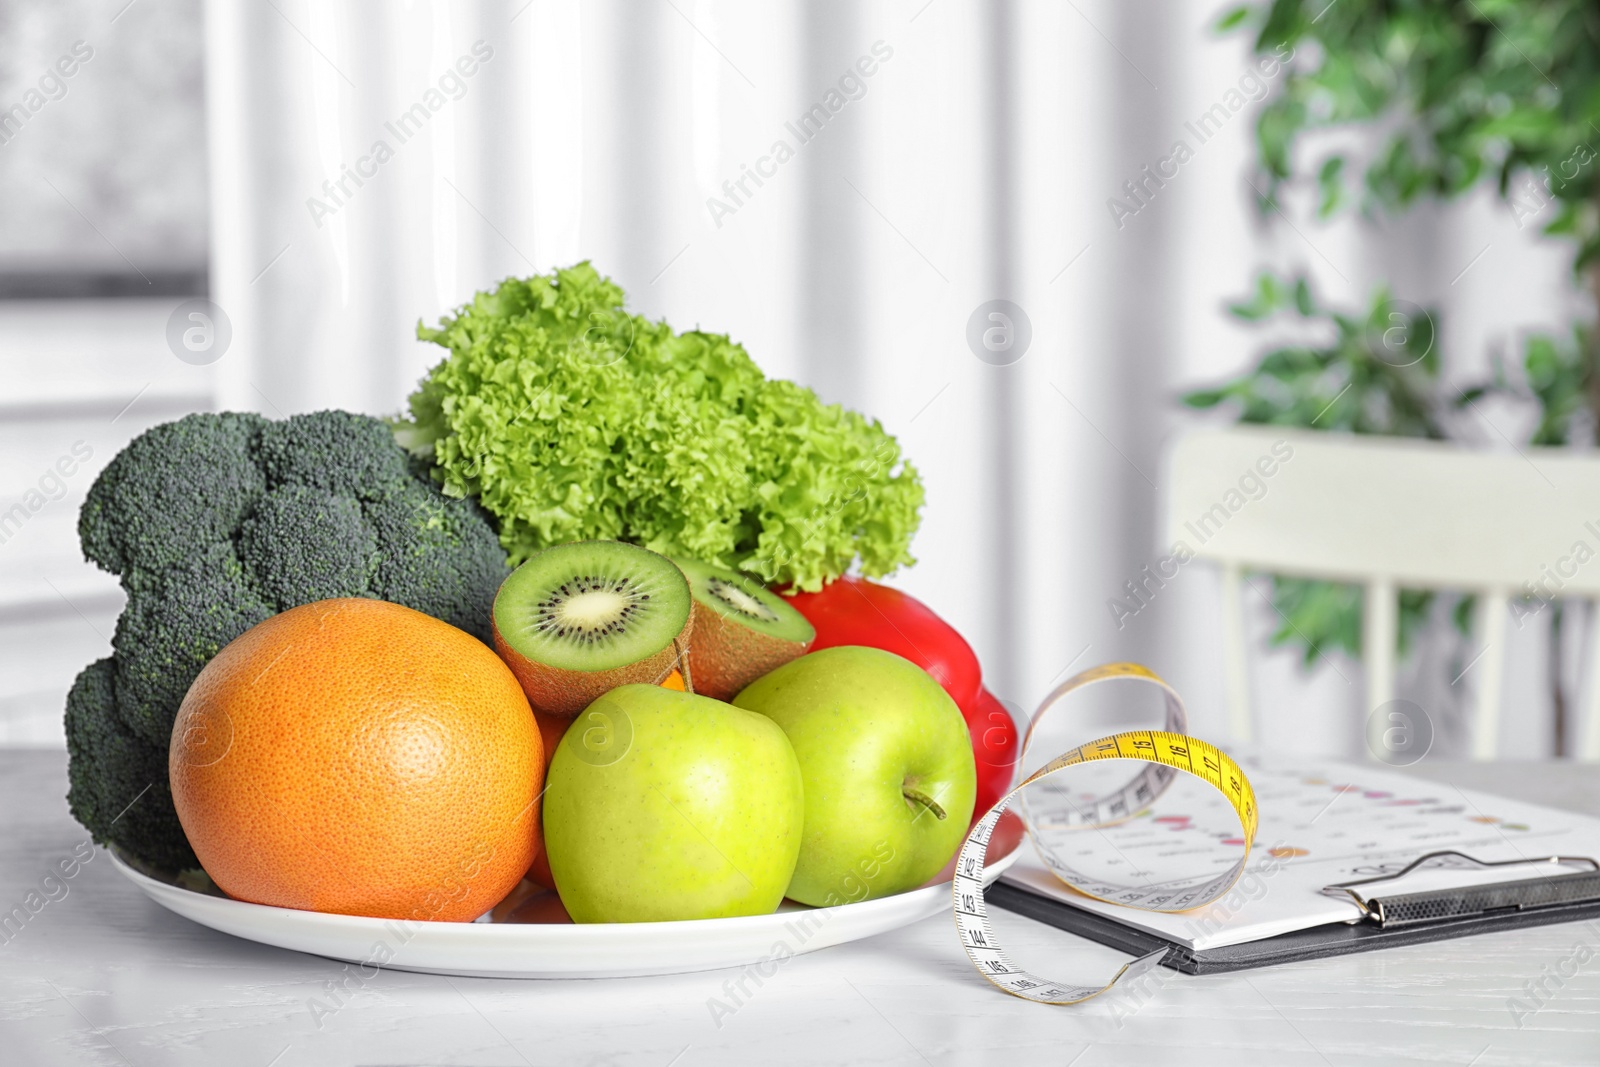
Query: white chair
[[1390, 513]]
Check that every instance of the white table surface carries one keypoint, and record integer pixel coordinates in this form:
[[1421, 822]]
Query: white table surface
[[104, 976]]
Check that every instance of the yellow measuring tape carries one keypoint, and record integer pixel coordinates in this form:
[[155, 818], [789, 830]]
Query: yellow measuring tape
[[1053, 815]]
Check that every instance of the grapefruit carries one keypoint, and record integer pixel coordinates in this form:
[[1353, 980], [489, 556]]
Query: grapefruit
[[358, 757]]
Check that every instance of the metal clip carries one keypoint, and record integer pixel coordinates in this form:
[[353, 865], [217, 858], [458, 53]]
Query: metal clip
[[1404, 909]]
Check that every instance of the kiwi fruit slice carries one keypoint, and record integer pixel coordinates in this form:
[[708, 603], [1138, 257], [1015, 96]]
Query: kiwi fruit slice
[[582, 618], [742, 630]]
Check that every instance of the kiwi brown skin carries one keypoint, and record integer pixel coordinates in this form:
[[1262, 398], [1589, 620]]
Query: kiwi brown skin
[[727, 656], [559, 691]]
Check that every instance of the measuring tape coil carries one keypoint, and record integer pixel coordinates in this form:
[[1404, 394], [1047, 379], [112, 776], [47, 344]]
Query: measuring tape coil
[[1052, 815]]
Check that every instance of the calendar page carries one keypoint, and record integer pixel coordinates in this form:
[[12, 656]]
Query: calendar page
[[1322, 822]]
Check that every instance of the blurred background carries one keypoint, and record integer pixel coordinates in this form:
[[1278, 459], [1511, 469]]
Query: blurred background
[[197, 150]]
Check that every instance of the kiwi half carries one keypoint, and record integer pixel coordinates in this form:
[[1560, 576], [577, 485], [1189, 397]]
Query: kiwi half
[[742, 630], [579, 619]]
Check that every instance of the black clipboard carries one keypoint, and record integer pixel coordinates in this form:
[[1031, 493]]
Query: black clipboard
[[1415, 918]]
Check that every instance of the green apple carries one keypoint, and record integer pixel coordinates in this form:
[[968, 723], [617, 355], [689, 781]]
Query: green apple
[[663, 805], [887, 764]]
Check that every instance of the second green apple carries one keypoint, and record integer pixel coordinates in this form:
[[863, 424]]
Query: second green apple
[[663, 805], [887, 765]]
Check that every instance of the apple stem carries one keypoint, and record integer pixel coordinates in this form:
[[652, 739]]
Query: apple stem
[[916, 796]]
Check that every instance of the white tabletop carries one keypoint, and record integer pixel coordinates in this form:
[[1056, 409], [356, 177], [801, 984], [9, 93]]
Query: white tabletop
[[104, 976]]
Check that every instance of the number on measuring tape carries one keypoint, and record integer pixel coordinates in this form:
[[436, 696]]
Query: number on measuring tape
[[1051, 827]]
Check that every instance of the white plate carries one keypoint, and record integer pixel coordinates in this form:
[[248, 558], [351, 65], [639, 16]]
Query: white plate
[[513, 949]]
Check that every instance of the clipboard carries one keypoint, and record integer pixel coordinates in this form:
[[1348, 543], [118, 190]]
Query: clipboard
[[1386, 920]]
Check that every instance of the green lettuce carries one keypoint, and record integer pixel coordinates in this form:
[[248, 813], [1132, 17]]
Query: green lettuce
[[569, 418]]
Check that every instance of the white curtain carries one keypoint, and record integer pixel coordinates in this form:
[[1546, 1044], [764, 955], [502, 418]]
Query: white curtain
[[975, 162]]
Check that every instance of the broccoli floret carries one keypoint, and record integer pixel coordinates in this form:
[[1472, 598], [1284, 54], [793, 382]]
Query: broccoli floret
[[215, 523], [454, 562], [179, 485], [174, 622], [305, 545], [343, 453], [117, 781]]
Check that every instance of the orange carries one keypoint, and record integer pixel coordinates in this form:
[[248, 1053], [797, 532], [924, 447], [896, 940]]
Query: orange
[[359, 757]]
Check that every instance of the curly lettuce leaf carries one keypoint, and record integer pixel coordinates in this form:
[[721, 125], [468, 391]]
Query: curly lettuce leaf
[[569, 418]]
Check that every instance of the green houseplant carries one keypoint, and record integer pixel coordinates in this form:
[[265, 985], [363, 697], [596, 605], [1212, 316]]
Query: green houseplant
[[1449, 96]]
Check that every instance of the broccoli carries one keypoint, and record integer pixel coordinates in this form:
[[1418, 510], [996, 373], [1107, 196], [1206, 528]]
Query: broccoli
[[185, 483], [119, 787], [305, 545], [216, 522], [172, 625]]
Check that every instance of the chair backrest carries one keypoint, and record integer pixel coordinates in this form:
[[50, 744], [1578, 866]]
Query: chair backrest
[[1388, 513]]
